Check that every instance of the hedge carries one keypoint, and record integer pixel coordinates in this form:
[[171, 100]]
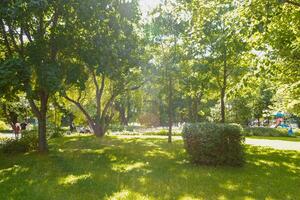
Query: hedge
[[28, 142], [214, 144], [267, 132]]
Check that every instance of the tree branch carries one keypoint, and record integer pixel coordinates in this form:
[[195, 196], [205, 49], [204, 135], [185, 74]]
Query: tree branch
[[12, 37], [5, 37], [21, 41], [81, 108], [102, 86], [98, 98], [108, 104], [27, 33], [293, 3], [34, 107]]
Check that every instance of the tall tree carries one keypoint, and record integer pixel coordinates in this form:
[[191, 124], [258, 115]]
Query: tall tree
[[220, 43], [105, 58], [163, 34], [33, 34]]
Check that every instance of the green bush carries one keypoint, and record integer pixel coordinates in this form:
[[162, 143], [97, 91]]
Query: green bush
[[119, 128], [116, 128], [162, 133], [129, 128], [266, 132], [214, 144], [56, 133], [3, 126], [28, 142], [297, 132]]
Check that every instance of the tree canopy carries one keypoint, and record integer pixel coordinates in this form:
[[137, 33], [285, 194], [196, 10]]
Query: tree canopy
[[100, 63]]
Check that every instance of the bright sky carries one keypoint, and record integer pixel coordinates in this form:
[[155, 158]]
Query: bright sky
[[148, 5]]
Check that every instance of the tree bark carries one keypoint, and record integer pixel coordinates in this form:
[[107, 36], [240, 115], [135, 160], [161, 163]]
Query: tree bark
[[122, 112], [170, 110], [224, 86], [123, 117], [41, 114], [223, 105], [42, 124], [98, 128], [6, 42], [43, 147]]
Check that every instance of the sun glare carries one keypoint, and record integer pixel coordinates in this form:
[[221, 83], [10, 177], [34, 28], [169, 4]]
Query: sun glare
[[148, 5]]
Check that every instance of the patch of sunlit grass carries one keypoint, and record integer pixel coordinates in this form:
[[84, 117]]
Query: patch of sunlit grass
[[73, 179], [127, 194], [86, 167], [128, 167]]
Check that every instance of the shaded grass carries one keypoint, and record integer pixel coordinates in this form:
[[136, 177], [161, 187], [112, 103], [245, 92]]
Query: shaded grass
[[85, 167]]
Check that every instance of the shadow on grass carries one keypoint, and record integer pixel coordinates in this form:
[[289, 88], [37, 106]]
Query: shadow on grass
[[117, 168]]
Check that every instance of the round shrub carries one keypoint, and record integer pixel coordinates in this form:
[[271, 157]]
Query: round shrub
[[214, 144]]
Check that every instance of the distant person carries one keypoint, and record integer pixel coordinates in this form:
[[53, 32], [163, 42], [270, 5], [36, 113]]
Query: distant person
[[72, 127], [290, 131], [17, 130]]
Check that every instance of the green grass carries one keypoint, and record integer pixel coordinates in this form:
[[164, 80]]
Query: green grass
[[294, 139], [85, 167]]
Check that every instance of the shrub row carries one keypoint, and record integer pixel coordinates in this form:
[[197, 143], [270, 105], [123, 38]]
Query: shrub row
[[119, 128], [214, 144], [266, 132], [28, 142], [162, 133]]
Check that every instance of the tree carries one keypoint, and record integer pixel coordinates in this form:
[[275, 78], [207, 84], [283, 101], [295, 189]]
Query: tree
[[163, 34], [33, 33], [274, 33], [219, 42], [105, 57]]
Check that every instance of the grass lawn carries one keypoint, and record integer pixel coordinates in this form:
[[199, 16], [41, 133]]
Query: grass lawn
[[294, 139], [85, 167]]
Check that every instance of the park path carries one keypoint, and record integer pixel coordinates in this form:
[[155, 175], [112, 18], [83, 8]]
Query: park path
[[7, 135], [275, 144]]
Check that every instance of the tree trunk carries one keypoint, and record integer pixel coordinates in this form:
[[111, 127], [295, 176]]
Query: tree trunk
[[97, 128], [170, 113], [196, 110], [71, 123], [224, 86], [43, 147], [123, 119], [222, 105], [191, 112], [42, 124]]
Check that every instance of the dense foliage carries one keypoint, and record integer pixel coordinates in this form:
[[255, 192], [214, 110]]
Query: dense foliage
[[214, 144], [96, 63]]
